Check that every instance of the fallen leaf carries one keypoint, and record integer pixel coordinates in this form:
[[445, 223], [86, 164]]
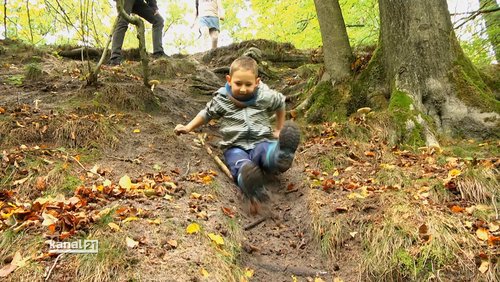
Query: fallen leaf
[[131, 243], [137, 131], [48, 219], [202, 215], [130, 218], [193, 228], [249, 272], [106, 183], [484, 266], [17, 262], [204, 272], [493, 226], [155, 221], [482, 234], [454, 173], [114, 226], [216, 239], [125, 182], [173, 243], [457, 209], [370, 154], [195, 195], [227, 211], [317, 279]]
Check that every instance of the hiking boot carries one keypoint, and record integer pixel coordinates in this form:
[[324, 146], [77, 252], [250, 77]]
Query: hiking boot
[[114, 62], [251, 182], [159, 55], [288, 142]]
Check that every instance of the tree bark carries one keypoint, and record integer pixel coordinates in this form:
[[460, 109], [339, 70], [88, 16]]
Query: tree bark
[[5, 19], [420, 58], [492, 25], [29, 20], [336, 49], [92, 79]]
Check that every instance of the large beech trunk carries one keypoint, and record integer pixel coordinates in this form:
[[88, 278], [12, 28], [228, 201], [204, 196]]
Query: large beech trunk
[[419, 56]]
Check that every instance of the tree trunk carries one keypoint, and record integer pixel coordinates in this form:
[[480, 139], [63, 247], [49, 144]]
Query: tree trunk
[[336, 48], [432, 84], [492, 24], [5, 19]]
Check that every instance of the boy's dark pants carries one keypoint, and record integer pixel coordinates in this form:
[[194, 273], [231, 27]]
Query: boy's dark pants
[[261, 155], [142, 9]]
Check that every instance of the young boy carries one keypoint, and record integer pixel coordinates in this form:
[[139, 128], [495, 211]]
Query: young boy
[[244, 106]]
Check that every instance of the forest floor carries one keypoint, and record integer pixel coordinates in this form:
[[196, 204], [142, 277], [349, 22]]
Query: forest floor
[[102, 163]]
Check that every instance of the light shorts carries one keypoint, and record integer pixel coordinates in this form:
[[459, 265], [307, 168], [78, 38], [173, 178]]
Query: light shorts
[[210, 22]]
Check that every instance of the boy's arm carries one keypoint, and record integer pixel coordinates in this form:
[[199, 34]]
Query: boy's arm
[[220, 9], [192, 125]]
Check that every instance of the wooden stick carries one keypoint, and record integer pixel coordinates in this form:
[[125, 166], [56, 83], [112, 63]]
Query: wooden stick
[[218, 161], [255, 223], [54, 265], [296, 270]]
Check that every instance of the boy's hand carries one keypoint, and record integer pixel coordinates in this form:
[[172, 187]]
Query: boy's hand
[[276, 133], [181, 129]]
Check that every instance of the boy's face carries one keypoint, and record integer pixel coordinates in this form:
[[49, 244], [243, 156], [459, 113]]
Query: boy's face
[[243, 83]]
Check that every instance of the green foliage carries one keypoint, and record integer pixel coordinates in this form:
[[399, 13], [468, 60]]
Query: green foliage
[[33, 71], [16, 80]]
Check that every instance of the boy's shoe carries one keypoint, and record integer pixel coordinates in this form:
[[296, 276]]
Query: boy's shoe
[[288, 142], [114, 62], [158, 55], [251, 182]]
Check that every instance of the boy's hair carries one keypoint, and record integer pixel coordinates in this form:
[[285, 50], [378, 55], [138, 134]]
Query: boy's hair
[[244, 63]]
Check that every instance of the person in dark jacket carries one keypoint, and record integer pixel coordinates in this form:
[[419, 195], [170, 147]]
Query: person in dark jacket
[[146, 9]]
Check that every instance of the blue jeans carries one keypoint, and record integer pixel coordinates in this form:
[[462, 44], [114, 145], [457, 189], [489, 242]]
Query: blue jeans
[[261, 155]]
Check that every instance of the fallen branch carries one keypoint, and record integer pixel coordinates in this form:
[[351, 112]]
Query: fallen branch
[[295, 270], [218, 161], [54, 265], [255, 223]]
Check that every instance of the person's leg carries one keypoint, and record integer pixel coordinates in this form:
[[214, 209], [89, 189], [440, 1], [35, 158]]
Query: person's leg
[[119, 33], [277, 156], [147, 13], [235, 158], [205, 37], [247, 175], [214, 35]]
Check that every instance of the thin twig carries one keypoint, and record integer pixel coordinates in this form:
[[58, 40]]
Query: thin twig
[[493, 199], [217, 160], [54, 265], [187, 171], [255, 223]]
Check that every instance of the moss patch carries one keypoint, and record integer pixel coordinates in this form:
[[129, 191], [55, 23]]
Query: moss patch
[[470, 87], [366, 90], [410, 131], [328, 104]]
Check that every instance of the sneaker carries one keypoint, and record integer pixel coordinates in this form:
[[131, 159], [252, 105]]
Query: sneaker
[[115, 62], [251, 182], [159, 55], [289, 140]]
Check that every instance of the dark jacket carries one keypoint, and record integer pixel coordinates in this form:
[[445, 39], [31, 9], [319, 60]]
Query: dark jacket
[[151, 3]]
